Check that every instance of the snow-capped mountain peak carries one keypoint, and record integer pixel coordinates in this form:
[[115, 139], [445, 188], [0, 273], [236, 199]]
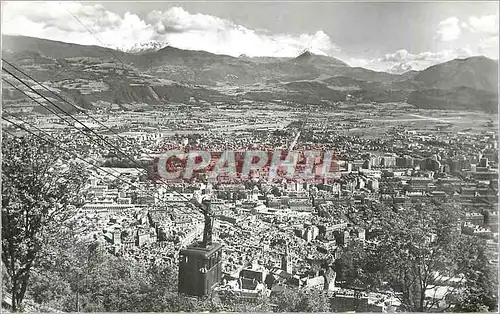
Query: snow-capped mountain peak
[[145, 47]]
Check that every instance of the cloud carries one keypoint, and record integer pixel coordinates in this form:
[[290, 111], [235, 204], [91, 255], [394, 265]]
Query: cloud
[[485, 29], [487, 24], [465, 26], [404, 56], [402, 61], [480, 32], [176, 26], [401, 68], [489, 46], [53, 20], [449, 29], [180, 20], [213, 34]]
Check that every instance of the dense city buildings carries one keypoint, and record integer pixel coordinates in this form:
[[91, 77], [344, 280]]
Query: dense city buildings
[[282, 234]]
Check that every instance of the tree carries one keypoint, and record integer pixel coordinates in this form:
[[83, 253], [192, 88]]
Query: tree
[[48, 288], [38, 187], [358, 268], [313, 301], [291, 300], [480, 288], [62, 263], [85, 273], [419, 249]]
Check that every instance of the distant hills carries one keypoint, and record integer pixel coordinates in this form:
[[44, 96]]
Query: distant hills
[[478, 73], [151, 75], [53, 49]]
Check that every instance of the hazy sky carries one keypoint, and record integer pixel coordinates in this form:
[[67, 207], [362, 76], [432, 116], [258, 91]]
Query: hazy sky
[[385, 36]]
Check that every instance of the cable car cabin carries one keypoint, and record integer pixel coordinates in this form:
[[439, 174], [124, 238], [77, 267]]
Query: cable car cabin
[[200, 268]]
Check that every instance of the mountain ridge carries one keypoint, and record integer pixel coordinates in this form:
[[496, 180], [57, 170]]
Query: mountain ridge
[[159, 46], [205, 75], [472, 71]]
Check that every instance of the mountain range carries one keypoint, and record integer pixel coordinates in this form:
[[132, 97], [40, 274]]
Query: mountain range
[[153, 74]]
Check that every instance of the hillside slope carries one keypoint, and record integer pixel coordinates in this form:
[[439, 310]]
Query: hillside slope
[[478, 73]]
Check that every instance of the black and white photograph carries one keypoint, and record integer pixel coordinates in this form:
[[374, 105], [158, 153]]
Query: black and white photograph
[[249, 156]]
